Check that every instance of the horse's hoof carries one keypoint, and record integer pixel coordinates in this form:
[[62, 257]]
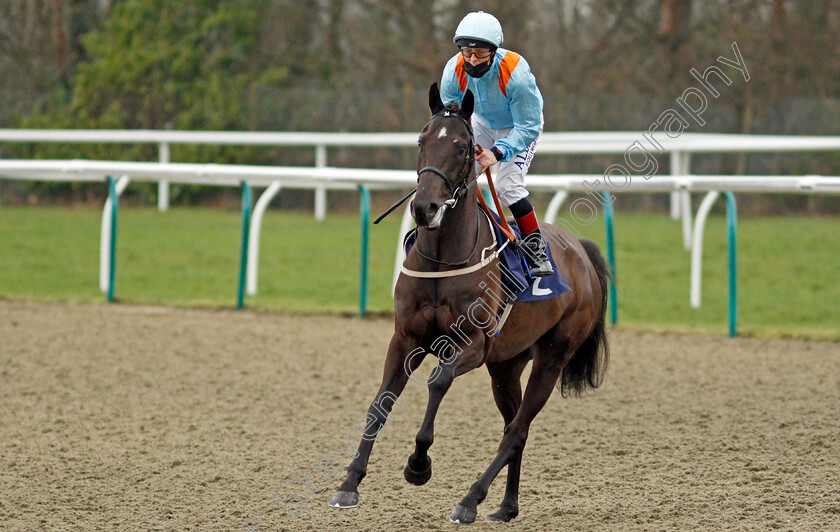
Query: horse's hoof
[[504, 514], [463, 515], [418, 478], [345, 499]]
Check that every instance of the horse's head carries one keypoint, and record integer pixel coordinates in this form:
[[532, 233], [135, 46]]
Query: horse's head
[[446, 159]]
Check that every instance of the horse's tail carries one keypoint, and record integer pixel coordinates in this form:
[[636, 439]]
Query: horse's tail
[[588, 365]]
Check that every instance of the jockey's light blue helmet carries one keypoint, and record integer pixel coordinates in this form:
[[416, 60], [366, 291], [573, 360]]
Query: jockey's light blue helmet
[[479, 30]]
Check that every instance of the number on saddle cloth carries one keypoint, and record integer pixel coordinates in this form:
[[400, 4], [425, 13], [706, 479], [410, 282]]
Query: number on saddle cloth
[[515, 275]]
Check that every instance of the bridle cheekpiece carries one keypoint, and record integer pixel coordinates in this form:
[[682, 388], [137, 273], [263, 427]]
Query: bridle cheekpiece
[[460, 187]]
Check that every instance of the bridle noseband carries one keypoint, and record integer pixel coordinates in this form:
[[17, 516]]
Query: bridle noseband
[[460, 187]]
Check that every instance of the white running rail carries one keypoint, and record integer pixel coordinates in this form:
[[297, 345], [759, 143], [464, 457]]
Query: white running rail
[[349, 178]]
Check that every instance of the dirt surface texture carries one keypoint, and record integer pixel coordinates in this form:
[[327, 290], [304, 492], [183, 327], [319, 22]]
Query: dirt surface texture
[[140, 418]]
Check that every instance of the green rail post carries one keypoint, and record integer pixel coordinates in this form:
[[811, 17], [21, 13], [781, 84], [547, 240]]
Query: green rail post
[[112, 258], [246, 230], [608, 221], [731, 228], [364, 202]]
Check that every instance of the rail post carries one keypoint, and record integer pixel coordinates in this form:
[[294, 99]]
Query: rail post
[[246, 230], [321, 190], [608, 221], [163, 184], [364, 201], [731, 229], [112, 255]]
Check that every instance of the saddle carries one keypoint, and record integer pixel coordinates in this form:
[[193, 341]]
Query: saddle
[[516, 284]]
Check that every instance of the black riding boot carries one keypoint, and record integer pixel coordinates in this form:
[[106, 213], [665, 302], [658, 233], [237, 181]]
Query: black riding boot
[[534, 247]]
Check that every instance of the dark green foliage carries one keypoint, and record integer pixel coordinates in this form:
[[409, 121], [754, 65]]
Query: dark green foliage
[[157, 64]]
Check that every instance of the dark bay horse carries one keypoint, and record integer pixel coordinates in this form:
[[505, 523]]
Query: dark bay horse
[[444, 306]]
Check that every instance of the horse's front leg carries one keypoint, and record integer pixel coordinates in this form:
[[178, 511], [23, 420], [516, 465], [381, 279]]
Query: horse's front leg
[[418, 469], [398, 366]]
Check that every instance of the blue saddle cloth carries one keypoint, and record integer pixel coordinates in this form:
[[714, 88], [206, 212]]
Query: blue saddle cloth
[[517, 282]]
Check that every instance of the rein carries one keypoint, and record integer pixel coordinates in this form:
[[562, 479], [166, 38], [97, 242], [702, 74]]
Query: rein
[[458, 188], [485, 261], [458, 191], [504, 225], [461, 263]]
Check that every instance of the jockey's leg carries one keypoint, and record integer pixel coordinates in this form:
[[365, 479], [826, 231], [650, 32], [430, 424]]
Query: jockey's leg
[[510, 185], [532, 242]]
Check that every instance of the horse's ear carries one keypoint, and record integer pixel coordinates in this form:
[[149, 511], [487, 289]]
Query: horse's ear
[[435, 103], [467, 105]]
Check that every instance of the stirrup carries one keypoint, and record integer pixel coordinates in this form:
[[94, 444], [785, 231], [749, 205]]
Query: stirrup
[[540, 270], [539, 266], [536, 256]]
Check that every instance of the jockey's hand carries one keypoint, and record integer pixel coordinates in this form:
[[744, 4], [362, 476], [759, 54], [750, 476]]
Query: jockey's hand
[[486, 158]]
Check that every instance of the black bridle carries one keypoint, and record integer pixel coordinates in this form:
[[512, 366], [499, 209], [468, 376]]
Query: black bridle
[[460, 187]]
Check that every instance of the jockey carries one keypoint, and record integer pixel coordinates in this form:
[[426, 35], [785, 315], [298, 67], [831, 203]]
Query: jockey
[[507, 119]]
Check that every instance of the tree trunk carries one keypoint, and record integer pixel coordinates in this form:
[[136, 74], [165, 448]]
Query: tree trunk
[[673, 17], [60, 40]]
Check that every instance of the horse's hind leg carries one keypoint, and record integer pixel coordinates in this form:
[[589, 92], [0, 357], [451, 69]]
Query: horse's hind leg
[[507, 391], [547, 369]]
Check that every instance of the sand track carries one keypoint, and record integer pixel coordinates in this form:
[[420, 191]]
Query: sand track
[[138, 418]]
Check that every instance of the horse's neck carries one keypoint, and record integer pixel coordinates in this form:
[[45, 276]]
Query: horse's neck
[[456, 237]]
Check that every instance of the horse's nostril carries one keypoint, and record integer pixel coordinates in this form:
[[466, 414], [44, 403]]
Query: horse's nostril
[[424, 213]]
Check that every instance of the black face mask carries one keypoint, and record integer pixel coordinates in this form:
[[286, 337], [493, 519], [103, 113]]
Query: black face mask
[[478, 70]]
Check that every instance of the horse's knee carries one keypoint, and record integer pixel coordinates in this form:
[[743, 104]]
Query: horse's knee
[[441, 383], [518, 444], [515, 438]]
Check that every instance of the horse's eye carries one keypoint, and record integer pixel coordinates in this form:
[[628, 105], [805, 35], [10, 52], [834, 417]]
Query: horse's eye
[[462, 150]]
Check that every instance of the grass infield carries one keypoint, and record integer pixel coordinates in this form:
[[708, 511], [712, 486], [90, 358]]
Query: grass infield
[[787, 267]]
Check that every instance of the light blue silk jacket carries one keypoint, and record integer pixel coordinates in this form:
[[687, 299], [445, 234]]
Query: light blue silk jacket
[[505, 97]]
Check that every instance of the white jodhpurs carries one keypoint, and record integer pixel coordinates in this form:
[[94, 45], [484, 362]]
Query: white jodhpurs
[[509, 176]]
